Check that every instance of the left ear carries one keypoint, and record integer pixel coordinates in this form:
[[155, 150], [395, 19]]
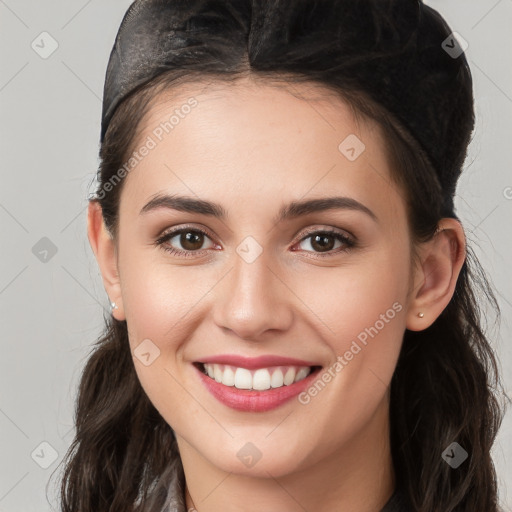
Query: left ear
[[434, 280]]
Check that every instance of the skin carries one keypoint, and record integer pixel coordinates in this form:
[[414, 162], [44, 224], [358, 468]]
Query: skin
[[253, 147]]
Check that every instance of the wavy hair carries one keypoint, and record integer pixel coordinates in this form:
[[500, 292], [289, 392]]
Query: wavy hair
[[446, 385]]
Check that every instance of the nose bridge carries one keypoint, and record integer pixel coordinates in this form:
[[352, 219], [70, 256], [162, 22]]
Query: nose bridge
[[253, 299]]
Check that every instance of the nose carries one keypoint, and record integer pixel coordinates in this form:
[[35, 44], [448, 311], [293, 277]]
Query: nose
[[253, 299]]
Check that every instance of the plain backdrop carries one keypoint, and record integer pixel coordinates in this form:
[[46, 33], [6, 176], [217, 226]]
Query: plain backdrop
[[52, 301]]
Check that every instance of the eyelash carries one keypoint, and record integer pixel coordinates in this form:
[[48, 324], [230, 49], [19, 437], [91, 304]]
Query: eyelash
[[350, 244]]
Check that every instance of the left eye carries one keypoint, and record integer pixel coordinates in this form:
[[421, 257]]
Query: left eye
[[323, 241]]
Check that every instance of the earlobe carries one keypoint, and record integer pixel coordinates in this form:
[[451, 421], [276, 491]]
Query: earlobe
[[436, 277], [104, 249]]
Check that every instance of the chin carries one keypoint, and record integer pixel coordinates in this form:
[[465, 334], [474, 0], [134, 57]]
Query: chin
[[257, 458]]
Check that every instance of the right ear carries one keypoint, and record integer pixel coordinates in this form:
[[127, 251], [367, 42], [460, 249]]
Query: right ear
[[104, 250]]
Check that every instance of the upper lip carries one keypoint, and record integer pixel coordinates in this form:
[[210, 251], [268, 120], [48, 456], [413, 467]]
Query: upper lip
[[264, 361]]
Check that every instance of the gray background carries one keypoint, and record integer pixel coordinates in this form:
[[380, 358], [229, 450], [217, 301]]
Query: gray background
[[52, 305]]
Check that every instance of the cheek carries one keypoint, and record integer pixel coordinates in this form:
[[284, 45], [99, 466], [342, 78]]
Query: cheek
[[158, 300], [362, 311], [349, 300], [162, 300], [153, 299]]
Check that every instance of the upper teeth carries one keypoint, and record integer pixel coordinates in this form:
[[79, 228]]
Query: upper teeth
[[261, 379]]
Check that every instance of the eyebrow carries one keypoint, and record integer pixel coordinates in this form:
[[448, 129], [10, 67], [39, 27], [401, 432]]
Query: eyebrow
[[292, 210]]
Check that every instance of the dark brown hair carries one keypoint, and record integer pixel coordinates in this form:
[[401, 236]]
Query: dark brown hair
[[446, 384]]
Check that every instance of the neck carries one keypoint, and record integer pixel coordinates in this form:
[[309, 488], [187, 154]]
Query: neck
[[358, 477]]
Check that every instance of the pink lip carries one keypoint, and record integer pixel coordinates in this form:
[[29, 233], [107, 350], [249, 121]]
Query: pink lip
[[256, 362], [249, 400]]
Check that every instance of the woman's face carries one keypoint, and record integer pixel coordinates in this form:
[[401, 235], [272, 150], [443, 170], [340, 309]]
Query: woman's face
[[264, 288]]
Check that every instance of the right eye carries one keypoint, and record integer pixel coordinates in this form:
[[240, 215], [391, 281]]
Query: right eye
[[191, 239]]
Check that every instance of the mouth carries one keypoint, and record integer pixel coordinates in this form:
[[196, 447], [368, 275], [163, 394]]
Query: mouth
[[258, 379]]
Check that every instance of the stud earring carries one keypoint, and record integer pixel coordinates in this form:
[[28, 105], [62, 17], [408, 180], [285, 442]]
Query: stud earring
[[113, 306], [420, 314]]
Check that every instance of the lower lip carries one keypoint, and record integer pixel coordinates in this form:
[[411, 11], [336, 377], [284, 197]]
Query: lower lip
[[254, 401]]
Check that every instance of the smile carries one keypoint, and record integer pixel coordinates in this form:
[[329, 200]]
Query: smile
[[255, 384], [260, 380]]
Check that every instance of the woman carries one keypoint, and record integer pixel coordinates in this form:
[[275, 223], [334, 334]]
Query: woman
[[294, 312]]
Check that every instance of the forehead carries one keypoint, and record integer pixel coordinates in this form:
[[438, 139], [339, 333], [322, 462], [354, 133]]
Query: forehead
[[252, 140]]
